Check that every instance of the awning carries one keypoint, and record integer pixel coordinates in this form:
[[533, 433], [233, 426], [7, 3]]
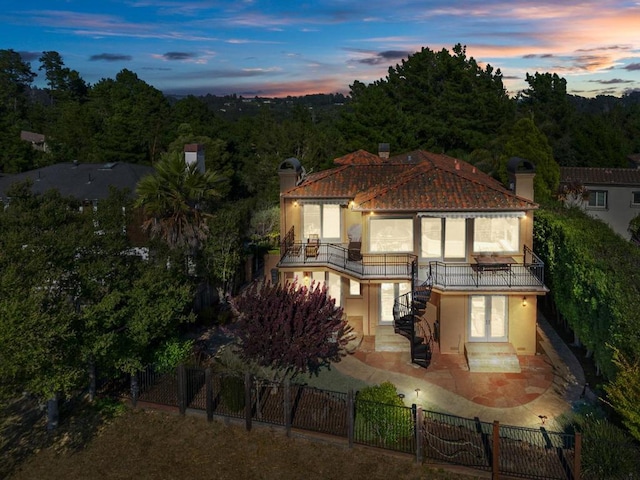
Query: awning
[[472, 214], [332, 201]]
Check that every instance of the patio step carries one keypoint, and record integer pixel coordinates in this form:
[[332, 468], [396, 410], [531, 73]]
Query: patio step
[[387, 340], [492, 357]]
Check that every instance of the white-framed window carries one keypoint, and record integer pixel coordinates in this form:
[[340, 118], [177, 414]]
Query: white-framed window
[[354, 288], [598, 199], [635, 199], [388, 294], [431, 237], [443, 233], [322, 220], [455, 238], [390, 234], [496, 234]]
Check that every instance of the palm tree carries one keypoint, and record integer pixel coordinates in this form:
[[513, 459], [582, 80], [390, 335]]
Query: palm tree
[[173, 199]]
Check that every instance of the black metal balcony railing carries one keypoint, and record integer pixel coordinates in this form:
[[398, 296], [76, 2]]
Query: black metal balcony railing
[[386, 265], [444, 275], [529, 274]]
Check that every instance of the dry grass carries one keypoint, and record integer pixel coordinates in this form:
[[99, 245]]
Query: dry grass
[[156, 445]]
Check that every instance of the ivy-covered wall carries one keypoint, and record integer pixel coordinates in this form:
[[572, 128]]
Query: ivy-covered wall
[[594, 277]]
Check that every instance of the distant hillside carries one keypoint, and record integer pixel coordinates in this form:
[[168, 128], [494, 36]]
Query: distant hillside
[[232, 107]]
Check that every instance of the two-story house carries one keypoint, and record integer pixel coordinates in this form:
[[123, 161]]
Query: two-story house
[[609, 194], [421, 245]]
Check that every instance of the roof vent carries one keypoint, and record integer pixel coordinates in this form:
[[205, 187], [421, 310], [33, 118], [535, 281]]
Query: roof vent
[[108, 166]]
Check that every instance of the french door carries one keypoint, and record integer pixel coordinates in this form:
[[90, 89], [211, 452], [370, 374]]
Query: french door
[[488, 318]]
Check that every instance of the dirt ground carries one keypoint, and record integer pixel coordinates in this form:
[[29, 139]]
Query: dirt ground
[[146, 444]]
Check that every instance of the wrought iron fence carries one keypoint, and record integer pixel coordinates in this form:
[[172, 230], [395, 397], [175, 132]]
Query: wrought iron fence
[[536, 453], [318, 410], [385, 426], [431, 436], [457, 440]]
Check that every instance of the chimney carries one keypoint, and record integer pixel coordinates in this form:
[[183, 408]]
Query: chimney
[[290, 172], [383, 150], [521, 173], [194, 154]]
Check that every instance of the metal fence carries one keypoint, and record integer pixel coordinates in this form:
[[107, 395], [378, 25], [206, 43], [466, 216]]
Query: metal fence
[[385, 426], [431, 436]]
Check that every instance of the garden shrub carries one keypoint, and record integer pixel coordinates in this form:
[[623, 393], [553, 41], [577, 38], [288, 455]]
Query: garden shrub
[[379, 416], [607, 451], [172, 353]]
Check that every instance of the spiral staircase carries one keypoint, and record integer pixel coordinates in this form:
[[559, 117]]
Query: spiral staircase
[[407, 312]]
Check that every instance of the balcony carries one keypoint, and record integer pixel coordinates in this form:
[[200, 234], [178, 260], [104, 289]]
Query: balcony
[[494, 273], [488, 275], [399, 266]]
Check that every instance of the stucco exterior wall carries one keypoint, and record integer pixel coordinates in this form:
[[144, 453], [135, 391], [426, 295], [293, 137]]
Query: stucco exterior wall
[[620, 210], [454, 311], [522, 324]]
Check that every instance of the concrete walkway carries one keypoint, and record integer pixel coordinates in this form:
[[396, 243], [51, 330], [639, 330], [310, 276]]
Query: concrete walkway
[[547, 389]]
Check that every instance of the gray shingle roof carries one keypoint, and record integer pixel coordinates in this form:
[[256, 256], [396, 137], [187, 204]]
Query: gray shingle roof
[[600, 176], [84, 181]]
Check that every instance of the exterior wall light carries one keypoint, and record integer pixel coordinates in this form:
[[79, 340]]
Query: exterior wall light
[[524, 301]]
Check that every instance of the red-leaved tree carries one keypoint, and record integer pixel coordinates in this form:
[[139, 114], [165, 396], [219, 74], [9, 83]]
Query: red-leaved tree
[[291, 328]]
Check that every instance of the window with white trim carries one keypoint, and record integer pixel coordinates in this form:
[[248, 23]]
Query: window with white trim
[[322, 220], [598, 199], [390, 234], [438, 233], [455, 238], [496, 234]]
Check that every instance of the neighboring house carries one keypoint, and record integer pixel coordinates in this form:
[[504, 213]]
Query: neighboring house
[[422, 245], [87, 182], [609, 194], [37, 140]]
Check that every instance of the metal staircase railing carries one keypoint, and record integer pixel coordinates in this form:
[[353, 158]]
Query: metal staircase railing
[[407, 311]]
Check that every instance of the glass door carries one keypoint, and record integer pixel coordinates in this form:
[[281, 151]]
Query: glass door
[[488, 319]]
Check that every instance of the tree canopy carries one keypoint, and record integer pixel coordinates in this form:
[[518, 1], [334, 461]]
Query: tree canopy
[[291, 328], [441, 101], [173, 198]]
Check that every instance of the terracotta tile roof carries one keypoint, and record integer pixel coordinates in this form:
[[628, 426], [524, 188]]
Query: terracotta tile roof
[[416, 181], [600, 176]]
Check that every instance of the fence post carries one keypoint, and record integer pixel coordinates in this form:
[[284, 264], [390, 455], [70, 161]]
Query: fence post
[[287, 406], [495, 451], [182, 389], [351, 411], [247, 400], [577, 453], [208, 381], [135, 389], [419, 425]]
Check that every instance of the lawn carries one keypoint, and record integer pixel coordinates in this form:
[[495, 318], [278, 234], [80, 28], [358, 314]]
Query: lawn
[[157, 445]]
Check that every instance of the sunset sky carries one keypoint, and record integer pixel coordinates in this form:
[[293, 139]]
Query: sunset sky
[[279, 48]]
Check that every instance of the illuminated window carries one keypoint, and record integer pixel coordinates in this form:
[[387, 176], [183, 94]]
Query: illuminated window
[[391, 235], [496, 234], [388, 294], [321, 220], [439, 233]]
